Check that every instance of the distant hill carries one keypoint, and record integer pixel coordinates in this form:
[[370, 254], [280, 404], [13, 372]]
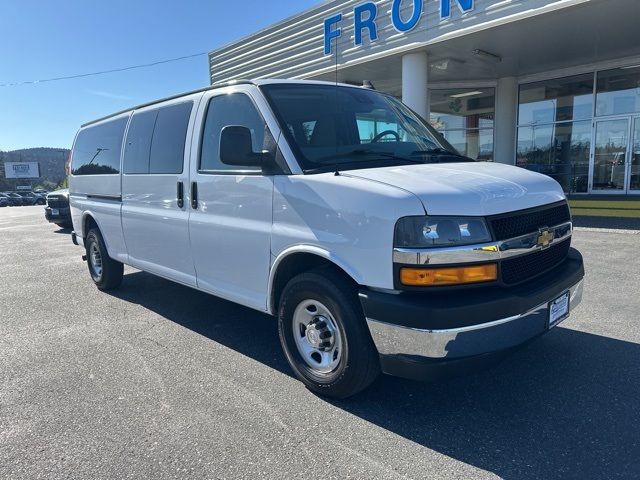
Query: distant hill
[[51, 162]]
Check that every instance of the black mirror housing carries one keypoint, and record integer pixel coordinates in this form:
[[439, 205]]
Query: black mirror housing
[[236, 147]]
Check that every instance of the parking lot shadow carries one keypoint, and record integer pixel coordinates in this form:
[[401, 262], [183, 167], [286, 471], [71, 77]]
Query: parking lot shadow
[[566, 406], [224, 322]]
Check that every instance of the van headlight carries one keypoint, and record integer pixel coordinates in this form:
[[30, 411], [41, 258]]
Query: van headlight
[[429, 232]]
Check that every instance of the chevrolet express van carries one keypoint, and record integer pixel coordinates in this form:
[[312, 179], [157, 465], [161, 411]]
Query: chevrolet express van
[[338, 210]]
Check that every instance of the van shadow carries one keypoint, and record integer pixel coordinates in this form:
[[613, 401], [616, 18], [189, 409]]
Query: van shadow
[[566, 406]]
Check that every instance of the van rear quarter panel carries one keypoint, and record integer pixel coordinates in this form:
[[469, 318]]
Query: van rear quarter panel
[[99, 197], [106, 214], [351, 219]]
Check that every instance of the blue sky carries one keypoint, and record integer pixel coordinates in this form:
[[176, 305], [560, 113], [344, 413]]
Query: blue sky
[[44, 39]]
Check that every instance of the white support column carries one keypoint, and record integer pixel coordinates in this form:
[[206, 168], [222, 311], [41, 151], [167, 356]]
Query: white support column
[[415, 93], [506, 120]]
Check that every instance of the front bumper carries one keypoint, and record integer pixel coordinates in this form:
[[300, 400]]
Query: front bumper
[[63, 216], [413, 330]]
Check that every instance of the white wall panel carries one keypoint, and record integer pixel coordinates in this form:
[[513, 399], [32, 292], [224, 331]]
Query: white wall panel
[[294, 47]]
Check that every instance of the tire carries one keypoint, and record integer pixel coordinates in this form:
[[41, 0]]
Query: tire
[[105, 272], [324, 335]]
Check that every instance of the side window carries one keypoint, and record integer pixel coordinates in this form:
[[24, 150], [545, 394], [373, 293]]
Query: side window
[[225, 110], [169, 138], [97, 149], [138, 147], [156, 140]]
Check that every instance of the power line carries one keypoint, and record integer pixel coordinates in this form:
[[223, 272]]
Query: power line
[[114, 70]]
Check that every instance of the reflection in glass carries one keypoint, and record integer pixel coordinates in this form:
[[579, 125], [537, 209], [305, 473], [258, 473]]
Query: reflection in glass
[[476, 144], [556, 100], [558, 150], [462, 108], [618, 91], [465, 117], [609, 163], [634, 174]]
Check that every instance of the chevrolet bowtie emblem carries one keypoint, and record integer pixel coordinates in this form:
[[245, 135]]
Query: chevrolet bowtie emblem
[[545, 237]]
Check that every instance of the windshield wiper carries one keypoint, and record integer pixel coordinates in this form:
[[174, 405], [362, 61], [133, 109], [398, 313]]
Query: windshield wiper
[[379, 156]]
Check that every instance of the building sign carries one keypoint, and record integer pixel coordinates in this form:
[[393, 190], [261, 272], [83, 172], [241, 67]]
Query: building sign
[[22, 170], [366, 15]]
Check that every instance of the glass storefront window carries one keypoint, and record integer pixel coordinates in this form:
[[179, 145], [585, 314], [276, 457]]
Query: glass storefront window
[[618, 91], [610, 154], [559, 150], [561, 99], [465, 117], [474, 143]]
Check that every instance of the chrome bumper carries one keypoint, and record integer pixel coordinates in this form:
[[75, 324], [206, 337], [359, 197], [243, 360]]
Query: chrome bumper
[[467, 341]]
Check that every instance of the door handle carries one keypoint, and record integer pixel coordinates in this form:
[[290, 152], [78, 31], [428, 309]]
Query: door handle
[[194, 195], [180, 195]]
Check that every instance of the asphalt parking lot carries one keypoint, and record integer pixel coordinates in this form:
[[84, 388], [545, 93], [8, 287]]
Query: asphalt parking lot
[[159, 381]]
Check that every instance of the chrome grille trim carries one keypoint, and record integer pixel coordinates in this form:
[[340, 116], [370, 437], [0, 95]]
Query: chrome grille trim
[[485, 252]]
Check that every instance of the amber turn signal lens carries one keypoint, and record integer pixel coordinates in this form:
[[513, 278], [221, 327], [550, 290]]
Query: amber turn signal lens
[[425, 277]]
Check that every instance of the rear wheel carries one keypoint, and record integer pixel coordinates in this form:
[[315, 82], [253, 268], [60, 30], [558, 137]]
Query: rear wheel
[[105, 272], [324, 334]]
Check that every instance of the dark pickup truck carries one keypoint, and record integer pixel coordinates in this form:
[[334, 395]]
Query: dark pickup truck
[[57, 210]]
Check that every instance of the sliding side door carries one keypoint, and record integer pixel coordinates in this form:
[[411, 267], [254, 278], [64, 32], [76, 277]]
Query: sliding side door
[[155, 214]]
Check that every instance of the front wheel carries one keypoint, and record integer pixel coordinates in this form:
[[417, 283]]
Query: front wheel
[[105, 272], [324, 335]]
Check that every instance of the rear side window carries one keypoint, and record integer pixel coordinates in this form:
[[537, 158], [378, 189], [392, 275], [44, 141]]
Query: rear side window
[[97, 149], [225, 110], [156, 140], [169, 137], [138, 147]]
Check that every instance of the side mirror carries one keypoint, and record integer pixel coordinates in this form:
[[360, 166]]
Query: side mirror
[[236, 147]]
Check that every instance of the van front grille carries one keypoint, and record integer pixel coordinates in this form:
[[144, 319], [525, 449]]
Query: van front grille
[[516, 224], [519, 269]]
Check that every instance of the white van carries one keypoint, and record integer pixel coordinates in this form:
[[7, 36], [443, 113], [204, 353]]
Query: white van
[[336, 209]]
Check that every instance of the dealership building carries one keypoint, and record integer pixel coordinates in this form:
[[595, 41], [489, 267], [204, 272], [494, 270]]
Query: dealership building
[[549, 85]]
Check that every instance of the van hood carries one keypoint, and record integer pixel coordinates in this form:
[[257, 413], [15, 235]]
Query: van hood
[[474, 188]]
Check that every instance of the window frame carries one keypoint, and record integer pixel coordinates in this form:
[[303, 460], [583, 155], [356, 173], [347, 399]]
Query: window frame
[[203, 124]]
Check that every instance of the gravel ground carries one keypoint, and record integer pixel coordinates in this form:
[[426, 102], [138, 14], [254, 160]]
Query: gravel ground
[[156, 380]]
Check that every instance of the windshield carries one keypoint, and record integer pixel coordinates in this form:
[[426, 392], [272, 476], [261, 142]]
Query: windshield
[[339, 127]]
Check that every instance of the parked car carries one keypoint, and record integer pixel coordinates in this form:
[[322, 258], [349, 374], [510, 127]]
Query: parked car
[[14, 199], [30, 198], [57, 209], [4, 200], [336, 209]]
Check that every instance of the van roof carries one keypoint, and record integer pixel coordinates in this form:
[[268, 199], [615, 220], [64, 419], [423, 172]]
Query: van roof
[[213, 87]]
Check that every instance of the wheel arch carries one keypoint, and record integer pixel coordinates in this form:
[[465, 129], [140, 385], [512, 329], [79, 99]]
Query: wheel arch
[[299, 259], [88, 222]]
